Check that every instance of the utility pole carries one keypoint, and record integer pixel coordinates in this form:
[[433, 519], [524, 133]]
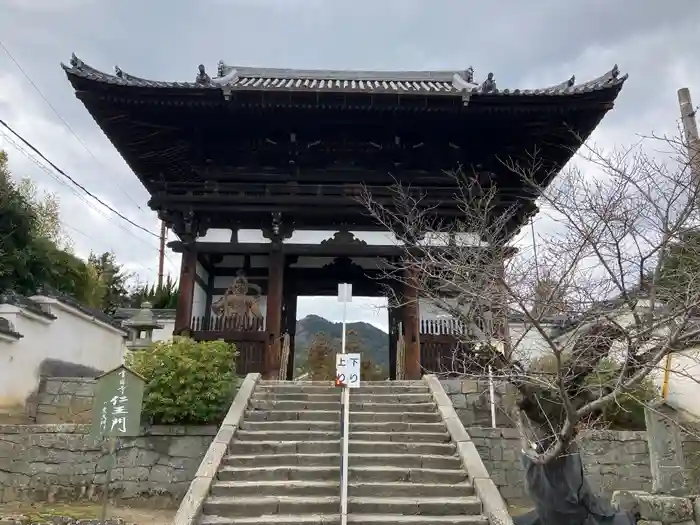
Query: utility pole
[[161, 253], [690, 131]]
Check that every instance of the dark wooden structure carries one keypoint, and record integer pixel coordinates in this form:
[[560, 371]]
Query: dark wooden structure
[[283, 150]]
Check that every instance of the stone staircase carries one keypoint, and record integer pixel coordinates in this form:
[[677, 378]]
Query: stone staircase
[[282, 465]]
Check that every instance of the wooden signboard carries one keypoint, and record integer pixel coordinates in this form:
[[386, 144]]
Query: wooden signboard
[[116, 411]]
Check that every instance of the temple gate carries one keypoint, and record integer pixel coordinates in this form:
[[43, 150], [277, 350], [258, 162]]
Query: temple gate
[[282, 150]]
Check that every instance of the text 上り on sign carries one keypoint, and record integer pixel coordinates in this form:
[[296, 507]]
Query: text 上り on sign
[[347, 370]]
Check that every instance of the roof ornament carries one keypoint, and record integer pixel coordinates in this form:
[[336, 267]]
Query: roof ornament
[[202, 78], [76, 62], [118, 72], [489, 85], [464, 81]]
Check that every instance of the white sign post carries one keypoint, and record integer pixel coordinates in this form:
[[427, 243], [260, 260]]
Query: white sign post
[[342, 371]]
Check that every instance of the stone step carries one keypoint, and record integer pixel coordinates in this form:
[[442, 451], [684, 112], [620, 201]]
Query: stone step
[[287, 435], [375, 474], [266, 505], [295, 473], [334, 519], [386, 387], [417, 506], [379, 474], [258, 404], [406, 461], [264, 426], [332, 447], [393, 519], [410, 490], [334, 426], [276, 488], [404, 437], [318, 460], [283, 460], [284, 447], [250, 506], [336, 398], [334, 415]]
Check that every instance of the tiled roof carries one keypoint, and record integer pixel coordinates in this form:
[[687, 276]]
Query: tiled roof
[[232, 78], [158, 313], [88, 310], [6, 328], [26, 303]]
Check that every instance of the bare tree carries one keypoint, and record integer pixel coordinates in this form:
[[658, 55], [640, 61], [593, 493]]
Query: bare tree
[[617, 269]]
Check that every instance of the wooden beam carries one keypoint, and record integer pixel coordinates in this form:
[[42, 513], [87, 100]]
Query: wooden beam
[[311, 250]]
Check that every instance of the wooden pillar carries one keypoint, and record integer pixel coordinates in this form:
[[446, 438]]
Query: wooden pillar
[[394, 321], [411, 325], [183, 314], [273, 320], [291, 330]]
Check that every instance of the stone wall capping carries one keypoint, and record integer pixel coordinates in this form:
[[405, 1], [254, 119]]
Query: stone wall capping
[[494, 507], [439, 396], [471, 460], [189, 510]]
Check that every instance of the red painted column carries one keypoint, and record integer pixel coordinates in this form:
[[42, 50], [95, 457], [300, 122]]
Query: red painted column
[[411, 326], [183, 314], [273, 319]]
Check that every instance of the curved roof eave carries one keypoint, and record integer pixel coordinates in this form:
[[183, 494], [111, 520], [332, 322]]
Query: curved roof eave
[[231, 78]]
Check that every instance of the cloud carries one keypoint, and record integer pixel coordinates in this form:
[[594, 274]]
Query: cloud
[[531, 44]]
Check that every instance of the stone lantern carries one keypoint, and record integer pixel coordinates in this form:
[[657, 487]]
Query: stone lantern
[[141, 327]]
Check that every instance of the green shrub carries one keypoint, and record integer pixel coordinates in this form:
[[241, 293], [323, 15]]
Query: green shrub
[[188, 382]]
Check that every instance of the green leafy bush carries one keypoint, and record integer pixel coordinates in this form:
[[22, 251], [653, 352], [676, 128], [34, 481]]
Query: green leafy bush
[[188, 382]]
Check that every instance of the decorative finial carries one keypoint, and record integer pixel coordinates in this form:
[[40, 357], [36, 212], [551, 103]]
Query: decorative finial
[[469, 75], [118, 72], [489, 85], [75, 61], [202, 78]]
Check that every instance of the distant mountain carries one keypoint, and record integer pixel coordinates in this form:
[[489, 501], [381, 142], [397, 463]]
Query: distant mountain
[[374, 342]]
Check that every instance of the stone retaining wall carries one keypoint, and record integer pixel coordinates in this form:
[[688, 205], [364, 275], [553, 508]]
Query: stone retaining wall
[[471, 400], [613, 461], [47, 462], [64, 400]]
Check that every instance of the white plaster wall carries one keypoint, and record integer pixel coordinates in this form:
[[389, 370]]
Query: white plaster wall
[[199, 301], [165, 333], [73, 337], [684, 382], [201, 272], [528, 344]]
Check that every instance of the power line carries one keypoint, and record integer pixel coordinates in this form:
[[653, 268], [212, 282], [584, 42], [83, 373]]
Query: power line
[[87, 236], [74, 182], [80, 196], [65, 123]]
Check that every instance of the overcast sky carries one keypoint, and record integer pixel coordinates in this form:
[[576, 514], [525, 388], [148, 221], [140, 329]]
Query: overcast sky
[[526, 44]]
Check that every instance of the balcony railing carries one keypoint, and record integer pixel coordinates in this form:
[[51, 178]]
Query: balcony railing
[[228, 324], [249, 336]]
